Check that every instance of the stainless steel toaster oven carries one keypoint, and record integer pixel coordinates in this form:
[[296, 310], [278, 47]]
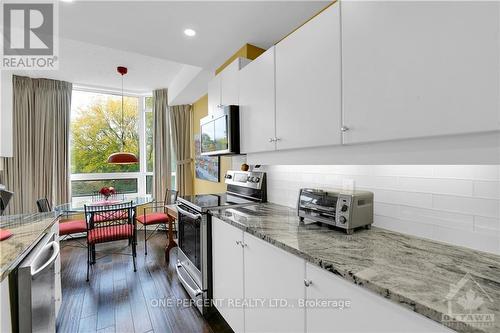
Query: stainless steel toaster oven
[[343, 209]]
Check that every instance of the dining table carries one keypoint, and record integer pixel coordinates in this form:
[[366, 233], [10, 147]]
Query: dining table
[[77, 206]]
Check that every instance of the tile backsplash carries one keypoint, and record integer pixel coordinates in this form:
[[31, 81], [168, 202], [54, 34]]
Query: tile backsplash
[[457, 204]]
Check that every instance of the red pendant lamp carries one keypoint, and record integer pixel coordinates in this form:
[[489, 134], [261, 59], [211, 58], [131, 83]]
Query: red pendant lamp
[[122, 157]]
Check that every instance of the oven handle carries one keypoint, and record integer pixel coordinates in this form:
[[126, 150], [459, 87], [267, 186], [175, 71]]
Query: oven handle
[[188, 214], [196, 292]]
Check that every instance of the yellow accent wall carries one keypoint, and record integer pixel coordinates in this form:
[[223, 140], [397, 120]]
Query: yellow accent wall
[[200, 110], [248, 51]]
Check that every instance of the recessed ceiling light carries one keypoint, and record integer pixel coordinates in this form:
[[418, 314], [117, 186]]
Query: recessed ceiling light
[[189, 32]]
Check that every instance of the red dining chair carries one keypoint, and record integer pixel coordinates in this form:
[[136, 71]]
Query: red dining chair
[[67, 228], [157, 216], [109, 223]]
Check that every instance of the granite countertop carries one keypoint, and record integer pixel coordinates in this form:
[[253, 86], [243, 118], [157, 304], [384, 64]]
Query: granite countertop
[[411, 271], [26, 230]]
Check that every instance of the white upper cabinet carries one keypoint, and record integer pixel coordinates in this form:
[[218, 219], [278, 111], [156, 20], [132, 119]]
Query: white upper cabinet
[[419, 69], [230, 83], [257, 105], [214, 94], [223, 89], [308, 84]]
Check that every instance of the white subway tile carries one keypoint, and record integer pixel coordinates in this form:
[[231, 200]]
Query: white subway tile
[[429, 216], [489, 189], [477, 172], [430, 185], [385, 182], [474, 206], [372, 181], [403, 170], [405, 227], [333, 180], [403, 198], [477, 241], [352, 169], [384, 209], [454, 204], [481, 223], [321, 179]]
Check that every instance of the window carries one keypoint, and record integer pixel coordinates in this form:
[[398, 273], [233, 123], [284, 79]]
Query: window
[[97, 132], [85, 188], [149, 134]]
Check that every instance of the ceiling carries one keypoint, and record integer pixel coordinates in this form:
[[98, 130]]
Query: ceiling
[[155, 28], [147, 37], [91, 65]]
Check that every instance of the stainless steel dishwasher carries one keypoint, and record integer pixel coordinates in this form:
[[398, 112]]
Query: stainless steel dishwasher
[[36, 287]]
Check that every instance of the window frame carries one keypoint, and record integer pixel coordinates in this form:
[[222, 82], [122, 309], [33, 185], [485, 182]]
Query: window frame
[[142, 173]]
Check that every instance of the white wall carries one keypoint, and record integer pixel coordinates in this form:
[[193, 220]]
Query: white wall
[[457, 204], [189, 85]]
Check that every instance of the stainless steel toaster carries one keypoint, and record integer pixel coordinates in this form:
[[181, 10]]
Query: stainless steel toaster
[[343, 209]]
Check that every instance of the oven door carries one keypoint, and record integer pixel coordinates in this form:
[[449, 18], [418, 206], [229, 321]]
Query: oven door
[[190, 246]]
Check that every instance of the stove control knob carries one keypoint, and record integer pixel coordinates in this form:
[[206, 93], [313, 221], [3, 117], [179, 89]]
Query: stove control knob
[[228, 176], [257, 179], [342, 219], [344, 208], [249, 179]]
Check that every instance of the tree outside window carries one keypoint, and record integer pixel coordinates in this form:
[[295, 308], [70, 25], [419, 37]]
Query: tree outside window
[[96, 131]]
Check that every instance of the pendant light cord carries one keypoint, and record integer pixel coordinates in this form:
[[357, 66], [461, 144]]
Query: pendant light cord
[[123, 141]]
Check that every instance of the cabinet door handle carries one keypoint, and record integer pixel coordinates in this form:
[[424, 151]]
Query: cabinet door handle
[[344, 128], [277, 139], [238, 242], [271, 139], [307, 283], [244, 244]]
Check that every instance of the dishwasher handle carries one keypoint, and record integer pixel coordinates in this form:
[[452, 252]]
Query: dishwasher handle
[[54, 245]]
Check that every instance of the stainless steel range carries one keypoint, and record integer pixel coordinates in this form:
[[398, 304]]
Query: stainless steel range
[[194, 263]]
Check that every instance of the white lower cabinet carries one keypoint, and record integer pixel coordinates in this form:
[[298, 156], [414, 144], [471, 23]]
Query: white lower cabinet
[[227, 272], [273, 282], [368, 312], [273, 276]]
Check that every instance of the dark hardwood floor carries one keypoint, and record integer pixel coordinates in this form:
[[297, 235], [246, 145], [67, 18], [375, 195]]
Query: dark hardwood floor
[[117, 299]]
